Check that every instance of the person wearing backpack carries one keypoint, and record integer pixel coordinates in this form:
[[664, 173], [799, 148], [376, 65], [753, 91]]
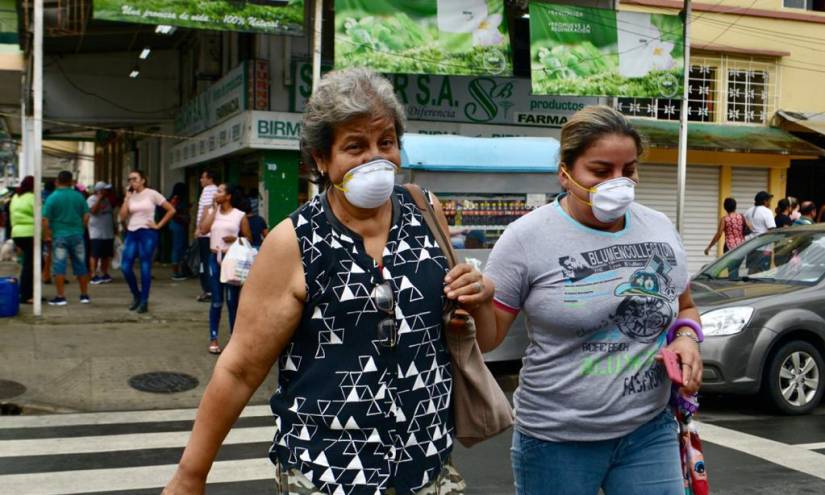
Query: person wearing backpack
[[223, 222]]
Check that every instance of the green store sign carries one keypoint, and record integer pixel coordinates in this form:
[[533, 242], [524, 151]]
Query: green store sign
[[465, 99]]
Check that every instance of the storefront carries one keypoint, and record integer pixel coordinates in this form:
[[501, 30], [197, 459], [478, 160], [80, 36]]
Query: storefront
[[255, 150]]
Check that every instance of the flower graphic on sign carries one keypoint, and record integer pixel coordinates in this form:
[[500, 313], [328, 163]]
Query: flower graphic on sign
[[487, 33], [660, 55]]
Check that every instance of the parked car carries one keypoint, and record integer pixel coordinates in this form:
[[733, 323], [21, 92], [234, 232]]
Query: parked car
[[763, 313]]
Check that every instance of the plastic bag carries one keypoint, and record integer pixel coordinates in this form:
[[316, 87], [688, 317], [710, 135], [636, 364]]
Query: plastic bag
[[237, 262], [118, 253]]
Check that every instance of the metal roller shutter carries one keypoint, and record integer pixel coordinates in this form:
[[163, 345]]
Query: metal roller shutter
[[657, 190], [745, 183]]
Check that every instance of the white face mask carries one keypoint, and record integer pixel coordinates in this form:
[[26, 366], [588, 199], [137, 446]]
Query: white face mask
[[610, 199], [369, 185]]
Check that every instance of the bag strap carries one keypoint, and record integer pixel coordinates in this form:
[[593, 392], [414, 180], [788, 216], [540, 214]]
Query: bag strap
[[437, 223]]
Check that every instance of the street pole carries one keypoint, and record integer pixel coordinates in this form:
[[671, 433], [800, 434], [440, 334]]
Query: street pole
[[36, 151], [681, 171], [316, 66]]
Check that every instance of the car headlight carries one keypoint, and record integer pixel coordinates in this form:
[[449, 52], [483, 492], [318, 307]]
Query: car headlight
[[725, 321]]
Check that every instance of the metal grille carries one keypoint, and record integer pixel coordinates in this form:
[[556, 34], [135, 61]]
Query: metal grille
[[747, 90]]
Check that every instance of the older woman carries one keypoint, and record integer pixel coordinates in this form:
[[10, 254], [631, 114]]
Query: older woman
[[349, 293], [603, 283]]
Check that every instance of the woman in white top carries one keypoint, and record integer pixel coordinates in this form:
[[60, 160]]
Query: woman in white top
[[223, 222], [138, 211]]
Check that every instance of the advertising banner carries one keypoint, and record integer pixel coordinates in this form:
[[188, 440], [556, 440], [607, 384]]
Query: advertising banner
[[596, 52], [265, 16], [463, 99], [461, 37], [11, 58]]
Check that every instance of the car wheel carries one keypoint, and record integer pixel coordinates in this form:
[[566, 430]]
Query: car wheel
[[794, 379]]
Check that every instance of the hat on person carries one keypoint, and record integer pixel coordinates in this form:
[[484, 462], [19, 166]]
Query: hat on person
[[101, 186], [761, 197]]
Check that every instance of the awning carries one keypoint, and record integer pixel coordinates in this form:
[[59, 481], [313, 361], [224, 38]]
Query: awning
[[727, 138], [810, 122], [469, 154]]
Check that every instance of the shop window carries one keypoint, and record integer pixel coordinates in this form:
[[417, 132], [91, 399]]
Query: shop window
[[747, 96]]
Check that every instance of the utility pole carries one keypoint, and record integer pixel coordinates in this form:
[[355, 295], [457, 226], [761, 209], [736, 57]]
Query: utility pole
[[35, 148], [681, 171], [316, 65]]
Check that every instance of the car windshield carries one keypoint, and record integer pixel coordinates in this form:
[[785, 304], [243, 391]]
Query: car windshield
[[791, 257]]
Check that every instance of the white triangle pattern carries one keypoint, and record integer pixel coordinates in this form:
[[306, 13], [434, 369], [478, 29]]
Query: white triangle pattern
[[321, 434]]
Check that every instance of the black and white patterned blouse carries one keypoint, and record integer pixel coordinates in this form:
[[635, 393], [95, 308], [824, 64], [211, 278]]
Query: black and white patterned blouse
[[353, 416]]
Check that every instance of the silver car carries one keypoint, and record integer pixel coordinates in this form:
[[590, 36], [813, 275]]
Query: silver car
[[763, 314]]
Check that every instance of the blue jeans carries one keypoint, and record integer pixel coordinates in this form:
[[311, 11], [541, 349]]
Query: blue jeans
[[644, 462], [179, 241], [141, 244], [233, 292], [66, 248]]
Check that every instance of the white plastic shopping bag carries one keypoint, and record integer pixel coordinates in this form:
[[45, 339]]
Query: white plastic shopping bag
[[118, 253], [237, 262]]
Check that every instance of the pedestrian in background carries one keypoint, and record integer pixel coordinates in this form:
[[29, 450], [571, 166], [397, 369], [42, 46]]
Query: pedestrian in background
[[101, 233], [732, 225], [46, 247], [207, 181], [794, 205], [66, 215], [141, 236], [807, 210], [257, 224], [585, 417], [179, 228], [223, 221], [783, 210], [21, 216], [759, 215]]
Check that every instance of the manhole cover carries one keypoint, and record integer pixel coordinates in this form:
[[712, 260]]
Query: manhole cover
[[163, 382], [9, 389]]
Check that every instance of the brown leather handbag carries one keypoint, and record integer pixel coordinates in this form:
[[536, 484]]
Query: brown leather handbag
[[480, 408]]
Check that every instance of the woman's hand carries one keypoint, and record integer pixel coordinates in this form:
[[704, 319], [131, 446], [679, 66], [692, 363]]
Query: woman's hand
[[152, 225], [183, 484], [468, 286], [691, 362]]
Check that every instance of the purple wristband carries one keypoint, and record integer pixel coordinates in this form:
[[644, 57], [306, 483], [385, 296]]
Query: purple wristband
[[684, 322]]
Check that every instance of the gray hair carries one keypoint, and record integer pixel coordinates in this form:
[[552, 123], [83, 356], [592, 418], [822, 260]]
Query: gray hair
[[343, 95]]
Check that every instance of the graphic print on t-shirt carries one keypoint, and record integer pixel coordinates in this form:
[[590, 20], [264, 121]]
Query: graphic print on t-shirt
[[644, 309]]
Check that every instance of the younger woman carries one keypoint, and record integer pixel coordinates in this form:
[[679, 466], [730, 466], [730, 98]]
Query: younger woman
[[732, 225], [138, 210], [223, 221]]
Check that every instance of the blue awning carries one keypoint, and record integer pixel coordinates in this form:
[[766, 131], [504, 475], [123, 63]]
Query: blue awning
[[443, 153]]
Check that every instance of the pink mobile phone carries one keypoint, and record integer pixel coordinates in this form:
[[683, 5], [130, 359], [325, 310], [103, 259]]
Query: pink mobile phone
[[674, 370]]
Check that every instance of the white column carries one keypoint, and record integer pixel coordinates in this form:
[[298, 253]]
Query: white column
[[36, 150], [681, 170], [316, 63]]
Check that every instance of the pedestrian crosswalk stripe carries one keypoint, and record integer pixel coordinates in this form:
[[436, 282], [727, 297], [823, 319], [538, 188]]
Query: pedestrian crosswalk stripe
[[811, 446], [789, 456], [101, 480], [77, 419], [116, 443]]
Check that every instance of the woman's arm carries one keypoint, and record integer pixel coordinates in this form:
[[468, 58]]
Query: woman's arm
[[270, 311], [716, 237], [687, 348], [170, 212], [207, 219], [245, 230]]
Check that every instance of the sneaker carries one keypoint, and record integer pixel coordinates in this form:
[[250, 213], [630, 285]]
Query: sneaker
[[205, 297], [177, 277], [84, 299], [135, 304], [96, 280], [58, 301], [106, 279], [142, 308]]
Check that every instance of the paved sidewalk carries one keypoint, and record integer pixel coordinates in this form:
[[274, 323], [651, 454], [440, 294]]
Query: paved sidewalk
[[80, 357]]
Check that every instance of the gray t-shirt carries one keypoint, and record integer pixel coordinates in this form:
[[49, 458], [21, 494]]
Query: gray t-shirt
[[101, 225], [597, 307]]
